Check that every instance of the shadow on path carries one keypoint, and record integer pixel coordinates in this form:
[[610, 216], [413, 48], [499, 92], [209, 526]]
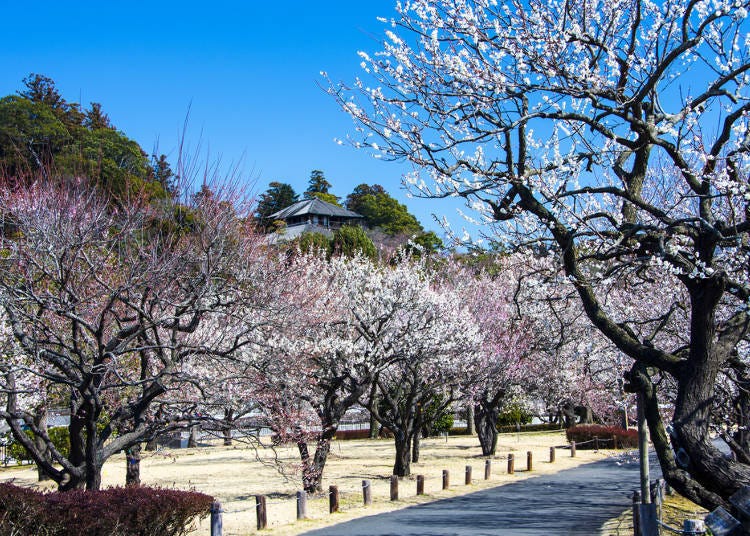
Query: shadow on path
[[572, 502]]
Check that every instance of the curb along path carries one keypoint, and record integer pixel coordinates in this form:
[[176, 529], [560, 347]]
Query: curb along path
[[572, 502]]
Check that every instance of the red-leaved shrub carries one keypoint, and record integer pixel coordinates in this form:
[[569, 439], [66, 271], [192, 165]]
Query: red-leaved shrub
[[584, 434], [131, 511]]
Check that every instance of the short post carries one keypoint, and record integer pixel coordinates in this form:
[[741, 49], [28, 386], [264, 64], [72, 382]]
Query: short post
[[529, 461], [366, 492], [487, 469], [446, 479], [693, 526], [552, 455], [467, 479], [333, 499], [301, 504], [636, 517], [596, 444], [572, 449], [394, 488], [614, 442], [216, 520], [261, 512], [510, 464], [420, 484]]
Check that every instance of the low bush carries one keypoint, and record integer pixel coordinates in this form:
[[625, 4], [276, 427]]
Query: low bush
[[584, 434], [132, 511]]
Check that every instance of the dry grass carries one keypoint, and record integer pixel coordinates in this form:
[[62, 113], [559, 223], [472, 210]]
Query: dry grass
[[234, 476], [675, 510]]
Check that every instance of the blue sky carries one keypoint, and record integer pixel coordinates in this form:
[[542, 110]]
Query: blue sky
[[248, 72]]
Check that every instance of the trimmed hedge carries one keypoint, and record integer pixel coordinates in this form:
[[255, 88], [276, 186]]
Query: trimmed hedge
[[131, 511], [583, 435]]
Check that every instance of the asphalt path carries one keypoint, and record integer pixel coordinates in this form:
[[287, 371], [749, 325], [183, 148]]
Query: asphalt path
[[576, 501]]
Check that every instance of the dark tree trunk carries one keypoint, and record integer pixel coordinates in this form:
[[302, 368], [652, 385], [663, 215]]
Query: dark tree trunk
[[312, 467], [227, 426], [402, 465], [133, 465], [415, 443], [152, 444], [485, 419]]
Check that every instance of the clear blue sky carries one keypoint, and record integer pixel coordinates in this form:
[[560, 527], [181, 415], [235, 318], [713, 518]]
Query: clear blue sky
[[248, 71]]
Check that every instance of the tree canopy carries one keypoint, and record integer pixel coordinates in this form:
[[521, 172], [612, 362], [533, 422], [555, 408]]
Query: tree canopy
[[613, 135], [278, 196], [42, 134]]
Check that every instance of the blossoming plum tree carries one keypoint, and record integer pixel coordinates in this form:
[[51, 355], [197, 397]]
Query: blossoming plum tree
[[103, 303], [615, 132]]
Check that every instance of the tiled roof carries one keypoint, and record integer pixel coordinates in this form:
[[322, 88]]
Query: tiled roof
[[313, 206]]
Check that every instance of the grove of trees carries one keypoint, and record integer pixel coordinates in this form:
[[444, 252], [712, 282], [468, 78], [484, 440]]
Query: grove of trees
[[611, 137]]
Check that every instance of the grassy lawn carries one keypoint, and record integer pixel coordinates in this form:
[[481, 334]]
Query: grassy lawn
[[235, 474]]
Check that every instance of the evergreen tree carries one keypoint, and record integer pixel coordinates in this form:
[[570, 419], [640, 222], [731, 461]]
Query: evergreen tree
[[317, 184], [278, 196], [383, 211], [96, 118]]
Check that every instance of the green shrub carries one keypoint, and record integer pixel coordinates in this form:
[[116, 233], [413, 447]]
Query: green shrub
[[514, 413], [59, 435]]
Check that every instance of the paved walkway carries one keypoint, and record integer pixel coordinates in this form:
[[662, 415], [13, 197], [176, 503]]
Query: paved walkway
[[572, 502]]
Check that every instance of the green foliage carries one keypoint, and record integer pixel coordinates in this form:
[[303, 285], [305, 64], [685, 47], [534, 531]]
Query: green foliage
[[382, 210], [44, 136], [30, 135], [354, 199], [437, 417], [278, 196], [317, 184], [312, 242], [328, 198], [59, 435], [350, 240], [514, 413]]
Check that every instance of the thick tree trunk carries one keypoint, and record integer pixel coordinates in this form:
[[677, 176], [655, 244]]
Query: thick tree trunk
[[133, 465], [402, 465], [227, 425], [312, 467], [40, 421], [470, 427], [193, 437], [485, 419]]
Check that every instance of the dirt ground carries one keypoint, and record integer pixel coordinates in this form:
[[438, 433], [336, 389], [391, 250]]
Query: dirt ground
[[235, 474]]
